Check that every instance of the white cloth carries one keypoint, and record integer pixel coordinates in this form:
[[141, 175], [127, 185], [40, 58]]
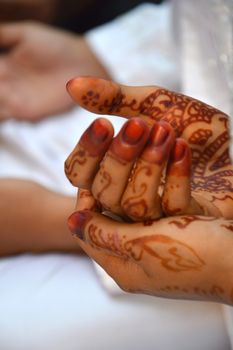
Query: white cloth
[[55, 301]]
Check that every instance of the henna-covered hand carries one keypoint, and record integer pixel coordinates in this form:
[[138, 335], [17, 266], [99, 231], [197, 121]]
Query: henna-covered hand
[[187, 257], [204, 128]]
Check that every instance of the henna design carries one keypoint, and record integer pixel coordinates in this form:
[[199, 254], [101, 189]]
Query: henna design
[[229, 227], [90, 98], [105, 182], [137, 209], [77, 158], [222, 161], [219, 198], [102, 240], [173, 254], [187, 220], [200, 165], [200, 137], [215, 292], [173, 289], [135, 205], [213, 183]]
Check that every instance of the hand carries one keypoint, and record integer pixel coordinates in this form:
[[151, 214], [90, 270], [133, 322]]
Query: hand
[[204, 128], [35, 63], [187, 257]]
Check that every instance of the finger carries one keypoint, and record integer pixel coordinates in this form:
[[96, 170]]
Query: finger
[[110, 181], [177, 191], [83, 162], [86, 201], [141, 200], [100, 232], [106, 97]]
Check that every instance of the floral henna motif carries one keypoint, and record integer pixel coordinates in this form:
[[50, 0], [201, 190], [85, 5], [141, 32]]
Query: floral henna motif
[[92, 99]]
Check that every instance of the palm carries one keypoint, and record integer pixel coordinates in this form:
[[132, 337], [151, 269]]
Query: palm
[[204, 128]]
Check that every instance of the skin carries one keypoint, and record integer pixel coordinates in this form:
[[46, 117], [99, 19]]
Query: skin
[[181, 256], [33, 57], [40, 225]]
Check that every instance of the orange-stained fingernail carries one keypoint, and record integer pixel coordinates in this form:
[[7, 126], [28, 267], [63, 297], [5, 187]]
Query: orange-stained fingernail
[[159, 135], [77, 222], [100, 130], [179, 151], [180, 159], [133, 132]]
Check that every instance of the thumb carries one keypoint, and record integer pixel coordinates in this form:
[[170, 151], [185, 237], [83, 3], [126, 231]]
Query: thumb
[[107, 97], [103, 233]]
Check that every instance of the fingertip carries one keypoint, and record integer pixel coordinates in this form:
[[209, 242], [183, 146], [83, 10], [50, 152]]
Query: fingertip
[[180, 159], [77, 223], [102, 129]]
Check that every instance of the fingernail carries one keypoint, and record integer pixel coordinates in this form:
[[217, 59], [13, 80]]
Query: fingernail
[[77, 221], [133, 132], [99, 130], [179, 150], [159, 135]]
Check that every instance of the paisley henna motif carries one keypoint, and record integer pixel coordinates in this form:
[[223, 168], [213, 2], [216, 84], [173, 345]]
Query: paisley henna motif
[[173, 254]]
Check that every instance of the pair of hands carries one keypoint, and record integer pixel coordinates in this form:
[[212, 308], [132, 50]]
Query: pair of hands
[[169, 161], [36, 61]]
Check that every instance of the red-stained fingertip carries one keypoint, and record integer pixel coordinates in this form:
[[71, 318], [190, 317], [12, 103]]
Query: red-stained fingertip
[[77, 222], [180, 159]]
